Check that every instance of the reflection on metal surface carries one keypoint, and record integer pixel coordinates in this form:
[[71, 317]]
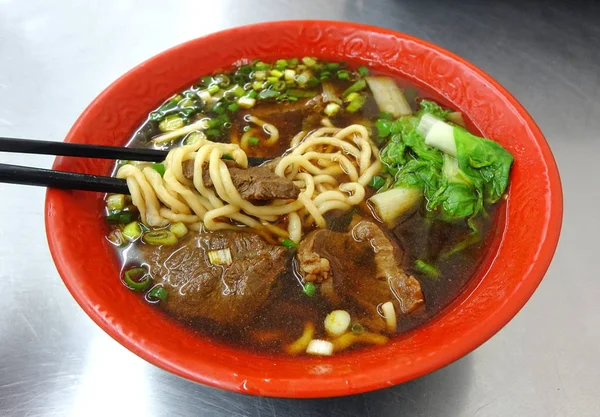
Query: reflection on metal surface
[[57, 56], [110, 374]]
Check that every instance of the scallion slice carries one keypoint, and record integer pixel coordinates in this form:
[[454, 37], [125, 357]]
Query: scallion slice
[[160, 237], [158, 294], [288, 243], [137, 279], [310, 289]]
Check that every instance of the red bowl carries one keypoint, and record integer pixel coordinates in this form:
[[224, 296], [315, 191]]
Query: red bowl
[[516, 264]]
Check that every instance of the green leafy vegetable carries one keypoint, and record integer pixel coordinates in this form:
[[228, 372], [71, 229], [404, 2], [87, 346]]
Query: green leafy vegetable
[[456, 171]]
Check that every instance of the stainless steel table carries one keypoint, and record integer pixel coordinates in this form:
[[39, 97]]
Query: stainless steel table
[[55, 57]]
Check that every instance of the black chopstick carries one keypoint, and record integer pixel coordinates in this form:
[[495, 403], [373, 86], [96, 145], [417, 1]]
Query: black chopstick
[[14, 174], [43, 147]]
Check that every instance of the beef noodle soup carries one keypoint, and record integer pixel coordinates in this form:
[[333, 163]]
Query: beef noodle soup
[[305, 207]]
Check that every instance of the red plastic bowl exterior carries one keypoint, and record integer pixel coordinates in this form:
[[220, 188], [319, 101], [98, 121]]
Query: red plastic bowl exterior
[[523, 251]]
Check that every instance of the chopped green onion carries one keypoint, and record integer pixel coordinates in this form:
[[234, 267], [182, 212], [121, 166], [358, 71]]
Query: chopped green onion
[[219, 108], [288, 243], [363, 71], [289, 74], [387, 116], [331, 109], [281, 63], [350, 97], [120, 217], [158, 294], [292, 98], [337, 322], [137, 279], [302, 78], [160, 168], [233, 107], [324, 75], [357, 86], [246, 128], [204, 96], [246, 102], [160, 237], [264, 94], [186, 102], [313, 82], [310, 289], [357, 328], [309, 62], [279, 86], [222, 79], [343, 75], [213, 89], [293, 62], [206, 80], [332, 66], [178, 229], [260, 75], [170, 123], [356, 103], [193, 138], [220, 257], [115, 202], [227, 156], [211, 133], [257, 85], [272, 80], [276, 73], [251, 94], [186, 112], [253, 141], [238, 91], [132, 231], [261, 66], [298, 93], [377, 182], [427, 268]]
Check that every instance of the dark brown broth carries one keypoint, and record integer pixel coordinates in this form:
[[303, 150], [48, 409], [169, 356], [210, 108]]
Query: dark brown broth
[[281, 321]]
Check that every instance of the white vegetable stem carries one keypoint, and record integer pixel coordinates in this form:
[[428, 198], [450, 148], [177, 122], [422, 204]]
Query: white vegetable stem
[[320, 347], [438, 134], [220, 257], [388, 96], [389, 313], [390, 205], [337, 322]]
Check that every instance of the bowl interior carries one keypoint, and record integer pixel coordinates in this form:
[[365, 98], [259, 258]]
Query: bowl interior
[[514, 267]]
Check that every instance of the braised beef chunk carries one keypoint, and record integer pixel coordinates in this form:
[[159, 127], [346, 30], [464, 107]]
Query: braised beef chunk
[[228, 295], [363, 267], [253, 183]]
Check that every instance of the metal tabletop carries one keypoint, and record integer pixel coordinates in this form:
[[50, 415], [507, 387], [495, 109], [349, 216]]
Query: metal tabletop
[[55, 57]]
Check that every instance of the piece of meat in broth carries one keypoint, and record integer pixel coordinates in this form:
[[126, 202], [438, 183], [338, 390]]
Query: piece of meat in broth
[[362, 268], [226, 294]]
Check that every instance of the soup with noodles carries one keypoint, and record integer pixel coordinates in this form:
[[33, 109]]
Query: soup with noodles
[[306, 207]]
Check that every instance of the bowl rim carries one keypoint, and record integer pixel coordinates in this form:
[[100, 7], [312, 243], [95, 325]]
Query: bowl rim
[[477, 334]]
